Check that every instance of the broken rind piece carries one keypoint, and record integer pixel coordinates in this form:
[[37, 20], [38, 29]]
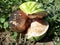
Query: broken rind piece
[[37, 30]]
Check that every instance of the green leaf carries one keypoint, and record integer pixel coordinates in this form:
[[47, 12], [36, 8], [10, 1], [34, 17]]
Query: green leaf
[[0, 26], [14, 35], [54, 17], [57, 43], [57, 4], [25, 40], [44, 44], [2, 20], [5, 24], [47, 1], [31, 7]]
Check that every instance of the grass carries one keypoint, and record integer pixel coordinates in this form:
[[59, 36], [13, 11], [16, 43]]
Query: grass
[[51, 6]]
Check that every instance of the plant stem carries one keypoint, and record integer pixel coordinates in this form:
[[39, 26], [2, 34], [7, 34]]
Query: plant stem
[[17, 40]]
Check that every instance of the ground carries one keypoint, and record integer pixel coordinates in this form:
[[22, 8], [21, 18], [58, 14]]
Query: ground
[[6, 39]]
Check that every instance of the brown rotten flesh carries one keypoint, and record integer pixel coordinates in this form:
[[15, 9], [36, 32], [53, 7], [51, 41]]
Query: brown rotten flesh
[[37, 15], [20, 21], [37, 28], [17, 21]]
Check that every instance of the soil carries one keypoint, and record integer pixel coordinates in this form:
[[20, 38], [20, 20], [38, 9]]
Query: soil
[[6, 39]]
